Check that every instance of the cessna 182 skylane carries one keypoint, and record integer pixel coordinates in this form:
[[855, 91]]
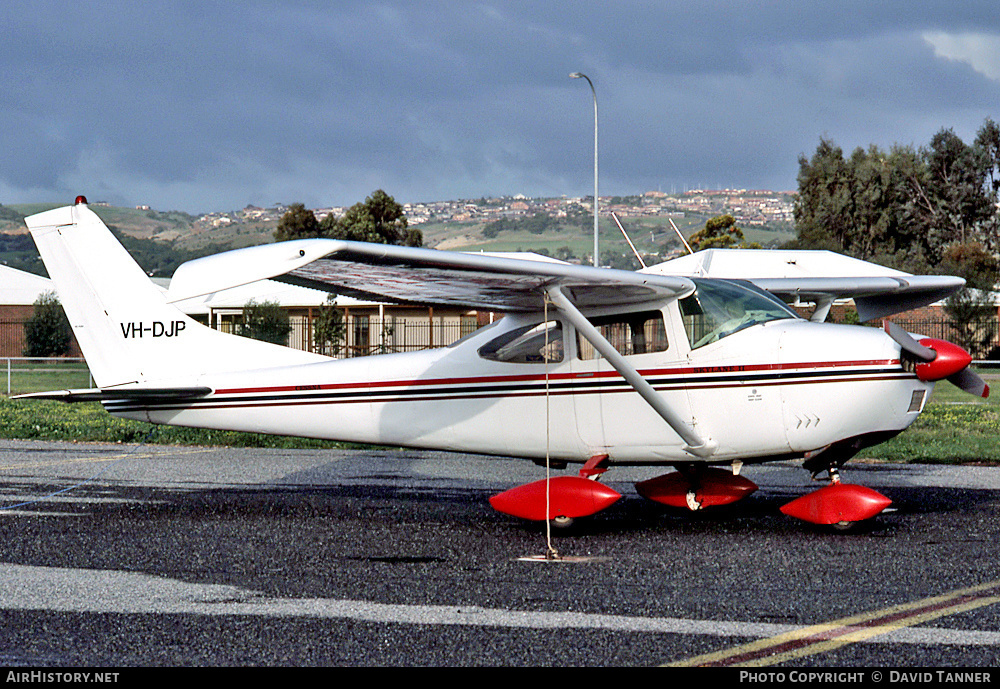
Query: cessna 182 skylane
[[592, 366]]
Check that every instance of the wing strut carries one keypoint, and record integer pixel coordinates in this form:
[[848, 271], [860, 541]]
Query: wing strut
[[696, 445]]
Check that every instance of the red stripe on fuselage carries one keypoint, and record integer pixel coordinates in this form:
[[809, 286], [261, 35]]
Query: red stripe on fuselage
[[540, 377]]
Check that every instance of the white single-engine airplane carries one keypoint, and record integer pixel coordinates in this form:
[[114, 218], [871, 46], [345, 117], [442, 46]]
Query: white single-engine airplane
[[592, 366]]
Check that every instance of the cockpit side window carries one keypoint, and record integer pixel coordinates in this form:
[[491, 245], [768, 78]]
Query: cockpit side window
[[630, 333], [719, 308], [531, 344]]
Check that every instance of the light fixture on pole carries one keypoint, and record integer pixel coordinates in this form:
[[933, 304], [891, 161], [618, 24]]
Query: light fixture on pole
[[578, 75]]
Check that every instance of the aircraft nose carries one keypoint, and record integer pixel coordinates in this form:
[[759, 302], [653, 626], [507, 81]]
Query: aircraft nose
[[938, 360]]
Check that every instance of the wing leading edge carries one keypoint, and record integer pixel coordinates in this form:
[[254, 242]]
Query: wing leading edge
[[874, 297]]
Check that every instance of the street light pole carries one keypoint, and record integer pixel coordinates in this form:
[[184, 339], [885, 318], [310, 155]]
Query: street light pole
[[578, 75]]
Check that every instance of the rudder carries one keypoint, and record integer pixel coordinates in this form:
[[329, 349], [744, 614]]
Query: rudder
[[127, 331]]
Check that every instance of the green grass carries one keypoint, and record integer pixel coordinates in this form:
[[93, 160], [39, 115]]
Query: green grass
[[36, 376], [954, 428], [945, 433], [88, 422]]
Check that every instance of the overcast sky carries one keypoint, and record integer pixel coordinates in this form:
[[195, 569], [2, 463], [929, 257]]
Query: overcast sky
[[203, 106]]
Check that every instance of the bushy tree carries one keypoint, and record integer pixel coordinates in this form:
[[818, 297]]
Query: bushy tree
[[956, 197], [298, 222], [47, 332], [379, 219], [988, 142], [903, 207], [720, 232], [265, 321], [328, 328], [864, 205], [971, 310]]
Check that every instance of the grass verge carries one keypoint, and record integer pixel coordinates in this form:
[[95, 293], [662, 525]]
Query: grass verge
[[88, 422], [946, 434]]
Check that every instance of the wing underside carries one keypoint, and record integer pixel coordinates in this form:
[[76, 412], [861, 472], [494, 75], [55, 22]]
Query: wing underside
[[874, 297], [426, 276], [470, 287]]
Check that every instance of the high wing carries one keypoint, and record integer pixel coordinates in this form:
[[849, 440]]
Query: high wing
[[425, 276], [820, 277], [502, 283], [874, 297]]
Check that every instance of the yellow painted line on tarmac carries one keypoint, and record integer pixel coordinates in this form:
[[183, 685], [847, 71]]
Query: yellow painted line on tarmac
[[825, 637]]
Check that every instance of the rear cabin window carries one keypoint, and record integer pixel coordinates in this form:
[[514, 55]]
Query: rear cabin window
[[531, 344], [642, 332]]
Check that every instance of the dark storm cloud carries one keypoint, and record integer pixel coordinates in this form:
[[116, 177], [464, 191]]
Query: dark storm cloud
[[210, 106]]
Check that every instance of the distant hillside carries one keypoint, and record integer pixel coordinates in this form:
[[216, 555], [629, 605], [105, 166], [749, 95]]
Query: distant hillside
[[563, 228], [573, 240], [159, 241]]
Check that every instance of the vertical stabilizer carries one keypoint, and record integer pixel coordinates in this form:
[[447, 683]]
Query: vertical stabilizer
[[127, 331]]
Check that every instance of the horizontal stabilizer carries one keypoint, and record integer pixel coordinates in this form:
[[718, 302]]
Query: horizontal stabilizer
[[99, 395]]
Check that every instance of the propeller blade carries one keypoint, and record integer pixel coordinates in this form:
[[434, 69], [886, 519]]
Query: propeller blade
[[970, 382], [966, 379], [906, 341]]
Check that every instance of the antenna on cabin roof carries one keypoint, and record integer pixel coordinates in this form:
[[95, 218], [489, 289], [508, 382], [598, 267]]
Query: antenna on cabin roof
[[619, 223], [683, 241]]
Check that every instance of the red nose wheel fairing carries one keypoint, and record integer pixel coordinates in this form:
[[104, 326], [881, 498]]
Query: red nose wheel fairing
[[837, 503]]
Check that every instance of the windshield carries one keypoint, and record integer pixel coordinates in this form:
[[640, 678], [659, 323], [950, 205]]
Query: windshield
[[719, 308]]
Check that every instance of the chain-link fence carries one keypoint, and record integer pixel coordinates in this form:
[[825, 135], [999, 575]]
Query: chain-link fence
[[978, 337], [26, 374], [365, 335]]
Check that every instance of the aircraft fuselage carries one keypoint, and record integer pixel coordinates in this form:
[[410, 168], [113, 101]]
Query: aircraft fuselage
[[779, 388]]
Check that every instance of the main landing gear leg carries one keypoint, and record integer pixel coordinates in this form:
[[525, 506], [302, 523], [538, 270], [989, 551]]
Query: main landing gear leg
[[839, 505]]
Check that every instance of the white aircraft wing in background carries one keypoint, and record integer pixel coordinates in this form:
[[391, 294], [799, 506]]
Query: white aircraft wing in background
[[819, 277]]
